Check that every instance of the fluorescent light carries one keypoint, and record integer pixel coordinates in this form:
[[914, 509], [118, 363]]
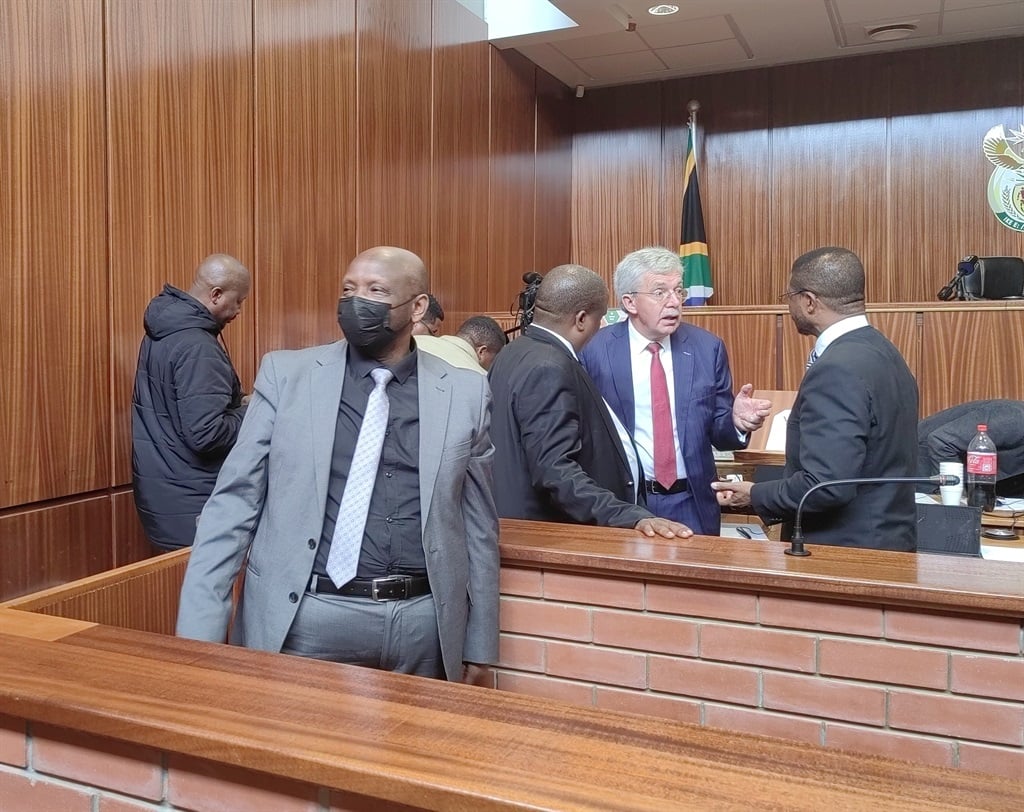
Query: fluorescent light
[[514, 18], [663, 9]]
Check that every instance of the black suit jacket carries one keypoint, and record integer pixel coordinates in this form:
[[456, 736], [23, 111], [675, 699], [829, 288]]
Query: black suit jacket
[[557, 456], [855, 415]]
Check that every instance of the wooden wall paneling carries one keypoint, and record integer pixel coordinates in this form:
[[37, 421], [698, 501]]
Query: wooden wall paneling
[[553, 205], [129, 539], [970, 355], [900, 327], [393, 124], [828, 163], [180, 113], [749, 339], [53, 313], [733, 161], [513, 162], [54, 544], [939, 174], [617, 174], [305, 167], [460, 171]]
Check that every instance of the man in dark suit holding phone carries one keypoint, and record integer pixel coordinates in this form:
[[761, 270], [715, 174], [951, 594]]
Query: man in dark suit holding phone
[[855, 415]]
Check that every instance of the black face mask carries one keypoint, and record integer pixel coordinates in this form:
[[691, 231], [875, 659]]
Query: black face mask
[[367, 323]]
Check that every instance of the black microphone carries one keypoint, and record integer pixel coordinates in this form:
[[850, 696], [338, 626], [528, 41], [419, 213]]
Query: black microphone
[[965, 267], [796, 545], [532, 278]]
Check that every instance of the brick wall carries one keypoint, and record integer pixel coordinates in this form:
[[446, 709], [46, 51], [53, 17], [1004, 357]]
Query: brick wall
[[46, 769], [938, 689]]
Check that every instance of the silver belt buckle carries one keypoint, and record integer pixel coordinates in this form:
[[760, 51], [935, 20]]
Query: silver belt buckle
[[386, 580]]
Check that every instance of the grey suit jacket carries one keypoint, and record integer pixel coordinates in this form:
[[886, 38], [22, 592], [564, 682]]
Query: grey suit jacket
[[267, 508]]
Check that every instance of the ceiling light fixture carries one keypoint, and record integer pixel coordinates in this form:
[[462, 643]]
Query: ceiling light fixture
[[662, 9], [891, 33]]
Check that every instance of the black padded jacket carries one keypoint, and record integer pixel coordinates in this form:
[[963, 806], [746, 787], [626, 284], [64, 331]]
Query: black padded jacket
[[186, 412]]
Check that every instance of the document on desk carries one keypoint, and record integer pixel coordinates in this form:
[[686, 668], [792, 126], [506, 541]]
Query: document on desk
[[1009, 505], [991, 552], [777, 432]]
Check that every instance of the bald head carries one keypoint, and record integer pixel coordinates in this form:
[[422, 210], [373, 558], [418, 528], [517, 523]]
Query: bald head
[[568, 290], [221, 284], [570, 302], [402, 266]]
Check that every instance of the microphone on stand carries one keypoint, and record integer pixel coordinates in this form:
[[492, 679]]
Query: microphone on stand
[[955, 287], [796, 543]]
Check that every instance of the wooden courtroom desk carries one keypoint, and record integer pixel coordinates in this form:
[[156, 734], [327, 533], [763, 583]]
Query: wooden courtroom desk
[[794, 628], [929, 582], [375, 740]]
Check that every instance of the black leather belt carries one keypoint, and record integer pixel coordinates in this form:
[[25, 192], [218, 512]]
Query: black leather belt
[[386, 588], [678, 486]]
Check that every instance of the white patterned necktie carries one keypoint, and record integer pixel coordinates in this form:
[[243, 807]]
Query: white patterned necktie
[[347, 541]]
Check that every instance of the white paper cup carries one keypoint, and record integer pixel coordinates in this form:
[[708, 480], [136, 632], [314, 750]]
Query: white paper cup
[[950, 494]]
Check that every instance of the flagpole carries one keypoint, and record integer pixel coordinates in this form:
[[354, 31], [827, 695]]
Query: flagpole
[[693, 248]]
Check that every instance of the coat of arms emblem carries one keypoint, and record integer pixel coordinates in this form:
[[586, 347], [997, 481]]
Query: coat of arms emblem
[[1006, 185]]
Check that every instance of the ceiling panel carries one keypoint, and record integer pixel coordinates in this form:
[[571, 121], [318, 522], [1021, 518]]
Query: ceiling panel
[[709, 36], [862, 11], [727, 52], [985, 18], [619, 42], [688, 32], [635, 64]]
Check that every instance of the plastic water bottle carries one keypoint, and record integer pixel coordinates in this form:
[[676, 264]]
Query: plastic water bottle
[[981, 471]]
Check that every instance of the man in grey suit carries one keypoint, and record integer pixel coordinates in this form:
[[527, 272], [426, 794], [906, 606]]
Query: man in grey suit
[[424, 599]]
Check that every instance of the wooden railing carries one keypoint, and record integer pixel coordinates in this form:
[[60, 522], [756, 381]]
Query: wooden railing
[[141, 596], [371, 739]]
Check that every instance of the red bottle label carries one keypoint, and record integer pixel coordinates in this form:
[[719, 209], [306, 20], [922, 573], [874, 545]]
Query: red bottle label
[[981, 462]]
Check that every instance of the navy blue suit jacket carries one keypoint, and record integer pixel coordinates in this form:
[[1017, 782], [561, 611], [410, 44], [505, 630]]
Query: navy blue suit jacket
[[703, 405]]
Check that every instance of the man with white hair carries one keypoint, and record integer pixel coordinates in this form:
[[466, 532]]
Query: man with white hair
[[669, 384]]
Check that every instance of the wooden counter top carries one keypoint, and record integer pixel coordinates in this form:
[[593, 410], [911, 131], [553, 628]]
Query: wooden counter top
[[431, 744], [939, 582]]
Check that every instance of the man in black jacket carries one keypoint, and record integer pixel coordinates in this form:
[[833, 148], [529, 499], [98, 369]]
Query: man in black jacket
[[187, 405], [855, 416], [558, 455]]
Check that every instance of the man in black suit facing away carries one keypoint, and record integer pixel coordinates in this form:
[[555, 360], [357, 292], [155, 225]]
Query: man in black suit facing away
[[855, 415], [558, 455]]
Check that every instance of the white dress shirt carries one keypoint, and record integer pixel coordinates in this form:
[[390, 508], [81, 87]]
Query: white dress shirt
[[643, 416], [840, 328]]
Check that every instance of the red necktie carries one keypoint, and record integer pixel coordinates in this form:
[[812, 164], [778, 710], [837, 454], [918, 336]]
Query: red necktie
[[664, 445]]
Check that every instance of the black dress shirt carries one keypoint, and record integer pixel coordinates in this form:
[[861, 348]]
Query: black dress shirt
[[392, 540]]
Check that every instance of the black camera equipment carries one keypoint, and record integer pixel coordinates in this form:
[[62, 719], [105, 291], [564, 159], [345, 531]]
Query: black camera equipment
[[527, 299]]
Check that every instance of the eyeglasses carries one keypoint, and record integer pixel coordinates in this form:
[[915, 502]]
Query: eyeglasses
[[661, 294], [785, 297]]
